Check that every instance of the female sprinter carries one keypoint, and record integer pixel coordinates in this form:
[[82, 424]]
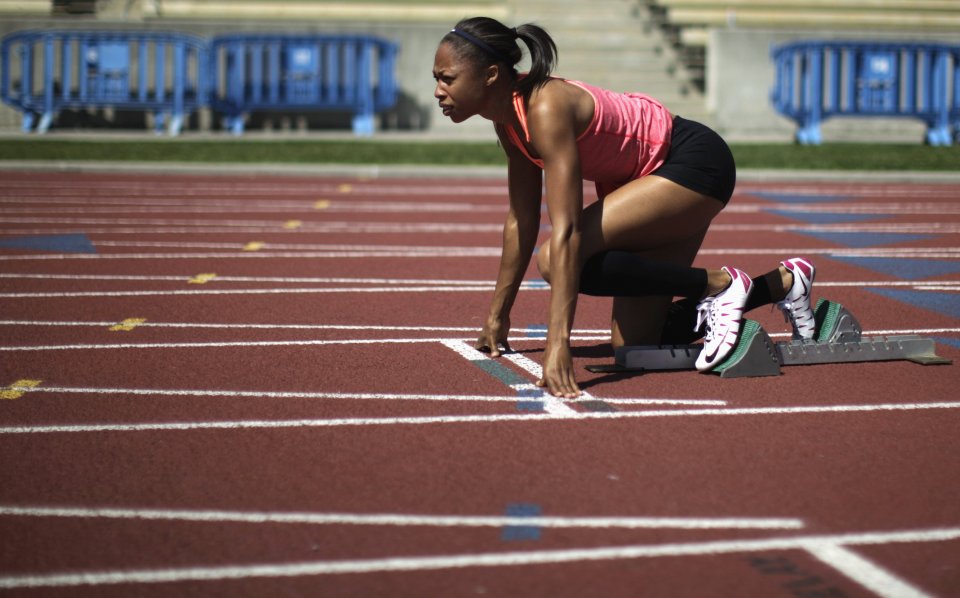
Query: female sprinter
[[660, 179]]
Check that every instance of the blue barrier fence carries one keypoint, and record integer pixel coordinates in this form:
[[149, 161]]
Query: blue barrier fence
[[44, 72], [816, 80], [296, 73]]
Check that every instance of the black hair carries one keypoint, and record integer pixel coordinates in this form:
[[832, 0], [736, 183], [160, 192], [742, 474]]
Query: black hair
[[486, 41]]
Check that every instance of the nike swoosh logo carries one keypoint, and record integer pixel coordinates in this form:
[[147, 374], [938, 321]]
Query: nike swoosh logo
[[713, 355]]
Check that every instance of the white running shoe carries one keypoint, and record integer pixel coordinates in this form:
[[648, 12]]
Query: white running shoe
[[723, 314], [796, 305]]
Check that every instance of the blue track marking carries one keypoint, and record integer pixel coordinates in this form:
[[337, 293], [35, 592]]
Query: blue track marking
[[515, 533], [826, 218], [943, 303], [71, 243], [799, 198], [953, 342], [906, 269], [866, 239], [536, 331]]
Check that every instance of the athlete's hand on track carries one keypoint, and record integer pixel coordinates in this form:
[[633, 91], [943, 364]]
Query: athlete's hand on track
[[494, 335], [558, 375]]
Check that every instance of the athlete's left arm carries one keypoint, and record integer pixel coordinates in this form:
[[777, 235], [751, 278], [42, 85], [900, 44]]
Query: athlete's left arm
[[552, 126]]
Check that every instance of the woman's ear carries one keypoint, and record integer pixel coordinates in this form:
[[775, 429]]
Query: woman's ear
[[492, 75]]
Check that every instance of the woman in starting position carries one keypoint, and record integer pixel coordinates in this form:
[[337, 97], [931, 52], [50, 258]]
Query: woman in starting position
[[661, 179]]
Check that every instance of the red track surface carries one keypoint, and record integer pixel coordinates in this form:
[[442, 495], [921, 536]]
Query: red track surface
[[302, 423]]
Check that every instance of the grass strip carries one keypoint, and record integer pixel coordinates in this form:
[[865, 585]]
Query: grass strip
[[834, 156]]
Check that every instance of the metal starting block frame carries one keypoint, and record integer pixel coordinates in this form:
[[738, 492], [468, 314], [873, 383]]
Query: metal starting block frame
[[838, 339]]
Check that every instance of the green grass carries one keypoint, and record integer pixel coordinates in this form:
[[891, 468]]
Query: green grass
[[875, 157]]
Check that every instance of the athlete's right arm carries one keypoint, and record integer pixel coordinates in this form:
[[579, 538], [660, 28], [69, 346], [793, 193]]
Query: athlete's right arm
[[520, 232]]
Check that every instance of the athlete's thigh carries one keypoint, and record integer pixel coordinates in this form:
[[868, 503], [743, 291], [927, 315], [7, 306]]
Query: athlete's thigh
[[648, 213]]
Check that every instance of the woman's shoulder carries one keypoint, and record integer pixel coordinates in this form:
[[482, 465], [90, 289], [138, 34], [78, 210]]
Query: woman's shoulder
[[560, 100]]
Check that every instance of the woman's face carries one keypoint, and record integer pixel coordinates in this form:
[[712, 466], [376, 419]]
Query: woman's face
[[461, 90]]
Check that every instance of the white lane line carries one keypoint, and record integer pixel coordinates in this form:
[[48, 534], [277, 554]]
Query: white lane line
[[467, 419], [917, 284], [212, 229], [898, 209], [291, 280], [271, 394], [252, 255], [496, 559], [272, 225], [203, 325], [897, 252], [913, 227], [253, 188], [399, 519], [396, 288], [280, 291], [868, 574], [246, 344], [295, 246], [586, 336], [303, 207], [552, 406]]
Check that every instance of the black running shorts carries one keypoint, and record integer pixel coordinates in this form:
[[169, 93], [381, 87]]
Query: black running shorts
[[700, 160]]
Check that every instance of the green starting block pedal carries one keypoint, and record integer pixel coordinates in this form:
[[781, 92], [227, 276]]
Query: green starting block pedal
[[838, 339]]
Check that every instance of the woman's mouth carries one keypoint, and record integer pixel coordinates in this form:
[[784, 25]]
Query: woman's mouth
[[446, 109]]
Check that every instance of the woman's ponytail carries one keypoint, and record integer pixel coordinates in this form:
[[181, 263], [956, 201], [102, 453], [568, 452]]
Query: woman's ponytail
[[543, 57], [488, 41]]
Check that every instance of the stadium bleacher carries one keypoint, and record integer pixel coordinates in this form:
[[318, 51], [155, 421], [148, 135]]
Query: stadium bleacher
[[694, 18]]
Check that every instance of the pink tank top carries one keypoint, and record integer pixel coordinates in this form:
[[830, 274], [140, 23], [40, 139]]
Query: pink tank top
[[629, 137]]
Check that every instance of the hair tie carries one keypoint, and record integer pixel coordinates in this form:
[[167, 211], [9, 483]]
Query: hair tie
[[514, 31], [482, 45]]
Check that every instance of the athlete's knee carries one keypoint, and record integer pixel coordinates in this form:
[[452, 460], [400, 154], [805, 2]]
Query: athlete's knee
[[543, 261]]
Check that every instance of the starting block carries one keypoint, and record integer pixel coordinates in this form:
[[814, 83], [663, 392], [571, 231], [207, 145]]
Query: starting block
[[838, 339]]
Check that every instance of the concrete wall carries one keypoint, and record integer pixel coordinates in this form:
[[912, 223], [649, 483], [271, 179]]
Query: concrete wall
[[740, 75]]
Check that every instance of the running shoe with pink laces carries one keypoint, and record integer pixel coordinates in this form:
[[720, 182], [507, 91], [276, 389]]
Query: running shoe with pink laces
[[796, 305], [723, 314]]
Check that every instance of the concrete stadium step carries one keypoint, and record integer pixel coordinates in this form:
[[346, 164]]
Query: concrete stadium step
[[613, 44]]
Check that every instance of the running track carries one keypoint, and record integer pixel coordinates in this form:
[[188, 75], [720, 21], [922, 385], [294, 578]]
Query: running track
[[264, 386]]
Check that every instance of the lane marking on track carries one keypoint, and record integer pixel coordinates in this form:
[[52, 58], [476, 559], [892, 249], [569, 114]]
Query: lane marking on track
[[552, 406], [18, 389], [202, 278], [255, 255], [868, 574], [270, 225], [270, 394], [281, 291], [401, 520], [192, 190], [127, 325], [915, 284], [497, 559], [199, 206], [334, 251], [130, 206], [605, 336], [536, 370], [468, 419]]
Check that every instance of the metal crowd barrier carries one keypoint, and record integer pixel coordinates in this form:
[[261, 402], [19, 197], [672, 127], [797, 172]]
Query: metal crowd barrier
[[252, 72], [816, 80], [44, 72]]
